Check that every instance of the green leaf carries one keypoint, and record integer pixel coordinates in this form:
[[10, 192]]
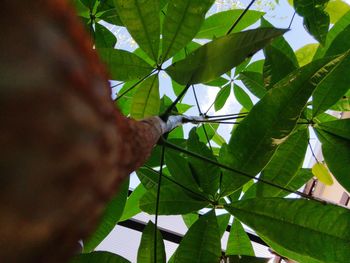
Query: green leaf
[[343, 104], [340, 43], [306, 227], [182, 22], [109, 15], [220, 55], [284, 165], [336, 9], [238, 241], [270, 121], [218, 24], [336, 153], [207, 174], [316, 20], [242, 97], [146, 101], [320, 171], [254, 82], [223, 221], [180, 170], [189, 219], [103, 37], [173, 201], [280, 59], [325, 94], [123, 65], [290, 254], [337, 29], [99, 257], [132, 204], [219, 82], [306, 53], [142, 20], [110, 218], [339, 128], [222, 97], [145, 253], [201, 243], [247, 259]]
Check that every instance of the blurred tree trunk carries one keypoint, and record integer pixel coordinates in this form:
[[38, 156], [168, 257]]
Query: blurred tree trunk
[[64, 148]]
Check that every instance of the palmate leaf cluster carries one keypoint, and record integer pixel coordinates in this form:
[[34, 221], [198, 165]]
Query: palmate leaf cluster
[[294, 91]]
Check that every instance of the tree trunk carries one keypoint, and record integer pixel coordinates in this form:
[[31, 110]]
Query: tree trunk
[[64, 146]]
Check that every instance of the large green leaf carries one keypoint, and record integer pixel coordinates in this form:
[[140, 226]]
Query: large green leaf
[[99, 257], [146, 253], [336, 9], [331, 89], [316, 20], [201, 243], [222, 97], [343, 104], [218, 24], [223, 221], [132, 204], [141, 18], [146, 101], [337, 29], [180, 170], [182, 22], [336, 152], [103, 37], [173, 201], [306, 53], [242, 97], [271, 120], [110, 218], [284, 165], [340, 127], [220, 55], [302, 226], [280, 59], [300, 258], [208, 175], [238, 241], [340, 43], [123, 65], [254, 81]]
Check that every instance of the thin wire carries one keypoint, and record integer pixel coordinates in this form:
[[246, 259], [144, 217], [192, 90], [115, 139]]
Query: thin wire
[[116, 85], [291, 21], [133, 86], [312, 151], [157, 202], [201, 114], [175, 147], [226, 115], [240, 17]]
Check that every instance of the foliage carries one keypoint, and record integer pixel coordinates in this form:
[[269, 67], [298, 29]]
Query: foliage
[[284, 96]]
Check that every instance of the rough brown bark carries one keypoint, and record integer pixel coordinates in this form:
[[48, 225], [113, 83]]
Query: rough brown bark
[[64, 148]]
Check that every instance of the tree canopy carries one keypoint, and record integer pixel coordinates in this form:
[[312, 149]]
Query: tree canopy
[[251, 175]]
